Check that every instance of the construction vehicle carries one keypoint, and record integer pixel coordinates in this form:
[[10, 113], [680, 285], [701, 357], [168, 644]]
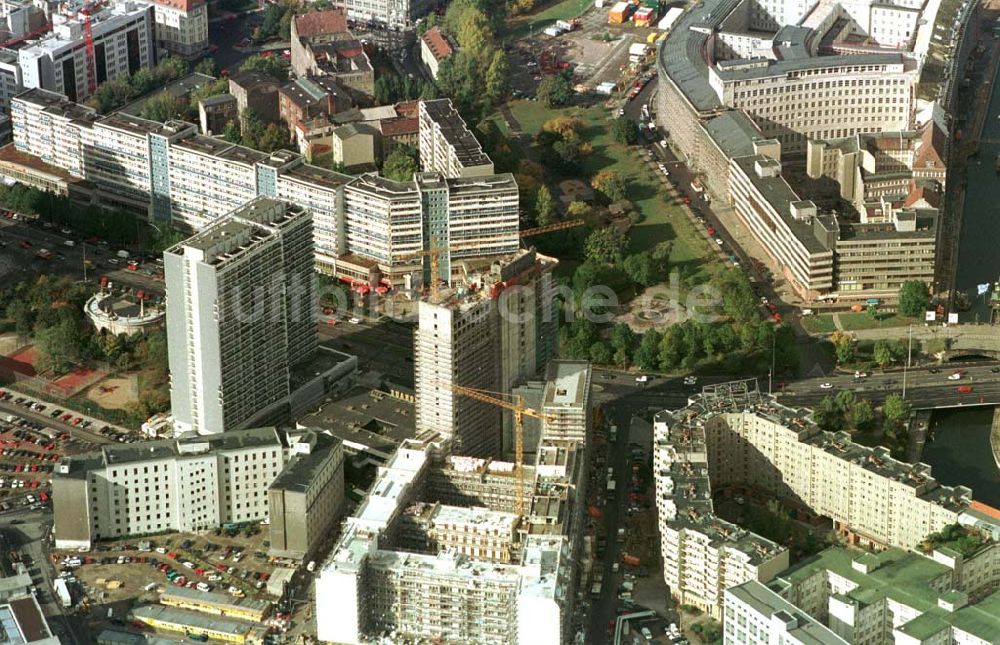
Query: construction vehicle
[[520, 410]]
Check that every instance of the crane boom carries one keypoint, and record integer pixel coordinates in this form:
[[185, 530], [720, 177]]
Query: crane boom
[[520, 411], [559, 226]]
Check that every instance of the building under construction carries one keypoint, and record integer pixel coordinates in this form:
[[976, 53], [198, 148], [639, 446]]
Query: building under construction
[[438, 549]]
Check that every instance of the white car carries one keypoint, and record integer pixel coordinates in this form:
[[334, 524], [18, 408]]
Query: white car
[[648, 635], [690, 380], [957, 376], [826, 386], [642, 379], [718, 241], [663, 143], [355, 321]]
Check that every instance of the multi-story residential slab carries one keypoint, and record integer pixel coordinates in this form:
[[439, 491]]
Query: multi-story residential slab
[[366, 228], [738, 437], [756, 615], [181, 26]]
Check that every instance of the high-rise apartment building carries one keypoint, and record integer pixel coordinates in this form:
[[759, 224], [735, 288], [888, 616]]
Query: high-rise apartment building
[[446, 144], [366, 228], [485, 335], [123, 43], [241, 314]]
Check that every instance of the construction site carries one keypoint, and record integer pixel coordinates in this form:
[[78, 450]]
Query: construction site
[[501, 536]]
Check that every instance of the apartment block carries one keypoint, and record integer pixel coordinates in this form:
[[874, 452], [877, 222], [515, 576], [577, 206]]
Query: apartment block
[[306, 500], [437, 527], [243, 299], [756, 615], [475, 336], [187, 484], [731, 435], [123, 43], [899, 597], [446, 144], [181, 26], [366, 228]]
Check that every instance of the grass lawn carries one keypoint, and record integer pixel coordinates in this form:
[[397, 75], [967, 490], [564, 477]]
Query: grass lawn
[[664, 219], [860, 321], [821, 324], [521, 26]]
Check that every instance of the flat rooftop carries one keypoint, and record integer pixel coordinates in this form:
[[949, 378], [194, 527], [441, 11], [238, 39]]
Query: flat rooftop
[[301, 470], [567, 384], [366, 419], [799, 625], [452, 127]]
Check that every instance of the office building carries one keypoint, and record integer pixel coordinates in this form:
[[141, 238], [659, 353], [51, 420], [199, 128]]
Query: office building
[[446, 144], [897, 597], [730, 436], [307, 498], [437, 527], [181, 26], [366, 228], [187, 484], [482, 336], [742, 80], [123, 43], [755, 615], [242, 299]]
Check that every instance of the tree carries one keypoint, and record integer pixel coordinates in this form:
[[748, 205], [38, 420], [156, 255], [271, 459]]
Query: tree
[[271, 65], [863, 415], [914, 298], [882, 353], [578, 210], [59, 345], [843, 346], [161, 107], [625, 131], [555, 91], [231, 132], [252, 129], [205, 66], [272, 138], [610, 184], [545, 208], [563, 126], [640, 269], [647, 355], [601, 353], [895, 408], [606, 245], [623, 341], [400, 164], [498, 78], [828, 415]]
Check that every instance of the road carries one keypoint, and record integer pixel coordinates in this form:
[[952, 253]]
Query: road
[[385, 346], [23, 263], [603, 608]]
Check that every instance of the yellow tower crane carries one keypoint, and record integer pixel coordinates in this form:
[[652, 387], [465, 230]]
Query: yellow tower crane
[[520, 410], [559, 226]]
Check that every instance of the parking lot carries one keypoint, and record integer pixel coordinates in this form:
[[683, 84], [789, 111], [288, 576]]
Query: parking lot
[[47, 417]]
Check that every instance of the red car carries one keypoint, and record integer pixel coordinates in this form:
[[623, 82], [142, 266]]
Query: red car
[[711, 230], [24, 244]]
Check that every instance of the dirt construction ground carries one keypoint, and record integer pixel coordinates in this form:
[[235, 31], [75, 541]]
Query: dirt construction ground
[[115, 393]]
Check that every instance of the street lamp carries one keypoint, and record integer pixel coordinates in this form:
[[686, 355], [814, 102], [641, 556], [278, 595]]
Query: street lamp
[[770, 372], [909, 353]]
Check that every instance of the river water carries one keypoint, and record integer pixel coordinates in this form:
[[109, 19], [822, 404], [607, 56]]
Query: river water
[[979, 252], [960, 452]]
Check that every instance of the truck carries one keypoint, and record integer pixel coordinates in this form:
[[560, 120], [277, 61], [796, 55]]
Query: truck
[[613, 433], [62, 592], [595, 590], [621, 534], [611, 485], [631, 560]]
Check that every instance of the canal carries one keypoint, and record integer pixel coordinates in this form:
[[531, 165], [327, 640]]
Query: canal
[[960, 452], [978, 256]]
